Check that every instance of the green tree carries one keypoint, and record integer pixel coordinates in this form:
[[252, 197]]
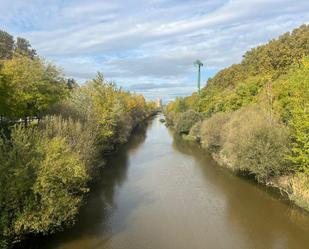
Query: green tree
[[43, 182], [34, 84], [299, 121], [6, 45], [5, 95], [23, 47]]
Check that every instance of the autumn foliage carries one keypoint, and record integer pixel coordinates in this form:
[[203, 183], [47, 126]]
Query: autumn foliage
[[255, 113], [54, 135]]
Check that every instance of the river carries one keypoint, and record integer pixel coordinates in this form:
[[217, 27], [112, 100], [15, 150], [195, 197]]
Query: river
[[160, 192]]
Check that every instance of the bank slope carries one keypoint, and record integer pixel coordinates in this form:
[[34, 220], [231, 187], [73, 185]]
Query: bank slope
[[253, 116]]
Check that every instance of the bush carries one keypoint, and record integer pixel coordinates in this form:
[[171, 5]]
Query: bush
[[125, 124], [57, 191], [256, 145], [18, 163], [186, 121], [81, 137], [44, 182], [195, 131], [211, 131], [300, 190], [171, 118], [112, 112]]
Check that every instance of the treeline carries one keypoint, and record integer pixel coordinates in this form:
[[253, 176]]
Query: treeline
[[253, 116], [53, 136]]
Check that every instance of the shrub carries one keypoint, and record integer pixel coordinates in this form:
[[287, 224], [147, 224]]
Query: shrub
[[123, 129], [195, 131], [186, 121], [300, 190], [57, 191], [44, 182], [67, 109], [18, 163], [256, 145], [171, 118], [211, 131], [81, 137]]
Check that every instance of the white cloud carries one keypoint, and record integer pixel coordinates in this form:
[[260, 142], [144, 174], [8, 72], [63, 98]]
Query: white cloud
[[149, 41]]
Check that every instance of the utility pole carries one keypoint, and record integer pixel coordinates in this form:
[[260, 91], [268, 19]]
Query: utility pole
[[199, 64]]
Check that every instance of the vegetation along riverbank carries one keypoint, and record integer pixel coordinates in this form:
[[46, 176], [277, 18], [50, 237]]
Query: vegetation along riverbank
[[253, 116], [53, 132]]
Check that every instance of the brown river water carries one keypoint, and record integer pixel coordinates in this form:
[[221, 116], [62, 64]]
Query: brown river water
[[160, 192]]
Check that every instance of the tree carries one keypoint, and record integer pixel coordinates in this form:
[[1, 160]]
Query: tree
[[299, 121], [35, 85], [43, 182], [23, 47], [6, 45], [5, 94], [71, 83]]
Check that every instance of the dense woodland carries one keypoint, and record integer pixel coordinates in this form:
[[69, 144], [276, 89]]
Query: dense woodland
[[253, 116], [54, 134]]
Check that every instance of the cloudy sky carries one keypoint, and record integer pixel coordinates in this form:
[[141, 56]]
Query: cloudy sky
[[148, 46]]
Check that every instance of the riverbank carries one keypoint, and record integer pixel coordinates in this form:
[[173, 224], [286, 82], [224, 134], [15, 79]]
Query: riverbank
[[159, 191], [29, 240], [253, 116], [247, 142], [293, 187], [100, 176], [46, 166]]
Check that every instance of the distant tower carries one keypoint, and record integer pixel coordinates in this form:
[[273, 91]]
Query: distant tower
[[199, 64], [159, 102]]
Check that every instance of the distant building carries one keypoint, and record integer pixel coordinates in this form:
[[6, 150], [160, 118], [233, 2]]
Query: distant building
[[159, 102]]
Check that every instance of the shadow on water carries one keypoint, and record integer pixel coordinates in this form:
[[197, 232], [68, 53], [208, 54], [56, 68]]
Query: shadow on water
[[145, 180], [259, 213], [94, 216]]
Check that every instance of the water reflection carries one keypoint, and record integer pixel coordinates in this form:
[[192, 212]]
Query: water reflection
[[252, 212], [94, 216], [161, 192]]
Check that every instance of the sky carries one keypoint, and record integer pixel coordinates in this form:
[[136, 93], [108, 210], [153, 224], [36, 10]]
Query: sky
[[149, 46]]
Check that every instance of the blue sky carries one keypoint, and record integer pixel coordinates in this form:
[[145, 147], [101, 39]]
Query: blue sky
[[148, 46]]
